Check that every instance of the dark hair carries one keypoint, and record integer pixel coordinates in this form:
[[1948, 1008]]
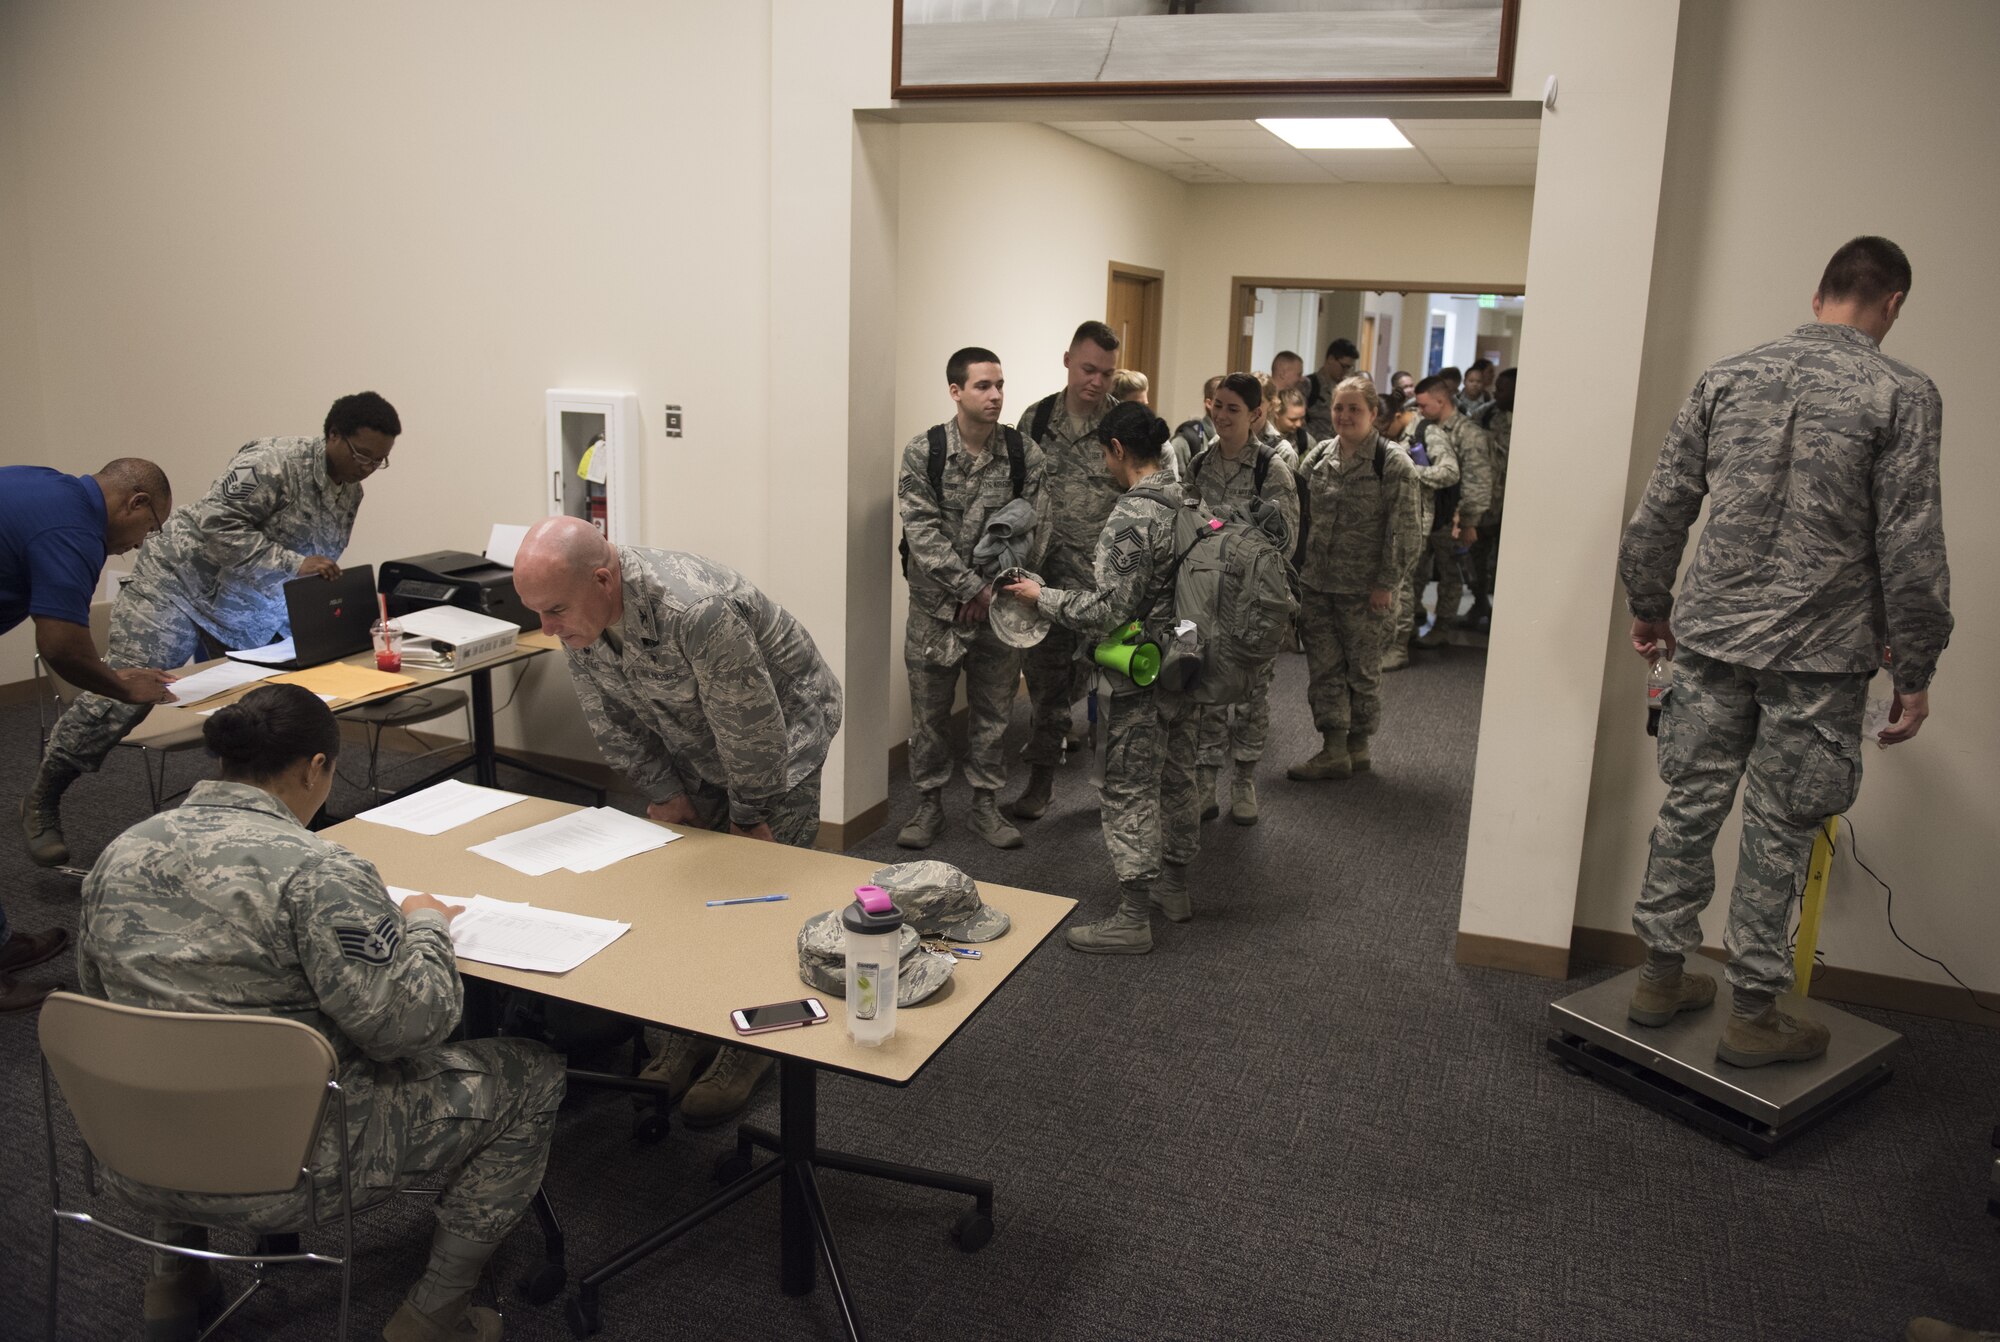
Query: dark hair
[[959, 365], [1400, 372], [269, 730], [1393, 403], [1283, 355], [1246, 389], [1868, 269], [1451, 373], [1481, 366], [138, 475], [363, 410], [1208, 387], [1138, 430], [1098, 334], [1343, 348], [1503, 389], [1435, 382]]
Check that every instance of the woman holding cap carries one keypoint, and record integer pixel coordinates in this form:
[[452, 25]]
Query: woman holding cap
[[1151, 814]]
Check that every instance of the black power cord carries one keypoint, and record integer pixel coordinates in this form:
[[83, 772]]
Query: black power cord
[[1889, 911]]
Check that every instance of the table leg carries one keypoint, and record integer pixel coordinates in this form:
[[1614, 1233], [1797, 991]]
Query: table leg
[[823, 1228], [482, 729], [797, 1118]]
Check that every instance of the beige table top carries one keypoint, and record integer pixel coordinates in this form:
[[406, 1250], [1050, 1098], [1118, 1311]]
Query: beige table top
[[173, 719], [689, 966]]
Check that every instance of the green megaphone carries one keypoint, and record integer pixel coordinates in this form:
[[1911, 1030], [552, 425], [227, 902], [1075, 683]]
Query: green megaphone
[[1124, 652]]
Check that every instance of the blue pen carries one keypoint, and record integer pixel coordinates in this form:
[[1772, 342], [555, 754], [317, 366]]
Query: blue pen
[[747, 899]]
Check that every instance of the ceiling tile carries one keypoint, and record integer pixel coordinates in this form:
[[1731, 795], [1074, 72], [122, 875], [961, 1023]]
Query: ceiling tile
[[1133, 145], [1481, 155], [1351, 166], [1297, 173], [1503, 174], [1436, 134], [1164, 128], [1072, 127]]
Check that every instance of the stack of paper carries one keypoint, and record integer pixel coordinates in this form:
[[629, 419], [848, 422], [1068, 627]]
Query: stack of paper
[[284, 650], [581, 841], [218, 679], [521, 936], [437, 809]]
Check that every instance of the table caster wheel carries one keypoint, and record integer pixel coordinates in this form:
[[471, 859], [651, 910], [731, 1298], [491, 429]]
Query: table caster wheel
[[544, 1284], [583, 1316], [650, 1128], [973, 1230], [731, 1166]]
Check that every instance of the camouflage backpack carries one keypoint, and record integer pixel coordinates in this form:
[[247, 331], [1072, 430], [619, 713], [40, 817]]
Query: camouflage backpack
[[1231, 584]]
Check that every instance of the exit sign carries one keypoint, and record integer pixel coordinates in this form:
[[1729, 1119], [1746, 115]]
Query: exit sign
[[1489, 300]]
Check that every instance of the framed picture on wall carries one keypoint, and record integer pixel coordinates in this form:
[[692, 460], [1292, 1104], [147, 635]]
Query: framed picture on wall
[[1042, 48]]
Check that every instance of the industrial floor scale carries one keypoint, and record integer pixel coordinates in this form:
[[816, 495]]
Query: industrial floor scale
[[1674, 1069]]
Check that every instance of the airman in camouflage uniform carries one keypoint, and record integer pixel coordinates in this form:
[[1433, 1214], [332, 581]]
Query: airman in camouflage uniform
[[1151, 815], [1824, 544], [283, 509], [1363, 530], [229, 904], [946, 633], [705, 693], [1459, 438], [1239, 731], [1081, 495]]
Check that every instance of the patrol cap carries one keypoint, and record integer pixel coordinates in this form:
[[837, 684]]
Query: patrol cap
[[939, 900], [823, 960], [1014, 622]]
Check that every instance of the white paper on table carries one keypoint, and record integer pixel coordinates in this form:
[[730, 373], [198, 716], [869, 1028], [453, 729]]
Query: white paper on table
[[504, 542], [437, 809], [269, 655], [582, 841], [218, 679], [521, 936]]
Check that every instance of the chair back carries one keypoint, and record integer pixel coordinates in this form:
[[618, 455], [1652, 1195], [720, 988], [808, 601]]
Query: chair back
[[191, 1102]]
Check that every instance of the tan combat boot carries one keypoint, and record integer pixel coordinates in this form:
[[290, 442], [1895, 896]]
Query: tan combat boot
[[1129, 931], [924, 827], [1170, 893], [1243, 796], [724, 1089], [460, 1321], [1357, 752], [1331, 762], [41, 815], [680, 1059], [1657, 1001], [986, 822], [1033, 803], [1937, 1330], [1770, 1036]]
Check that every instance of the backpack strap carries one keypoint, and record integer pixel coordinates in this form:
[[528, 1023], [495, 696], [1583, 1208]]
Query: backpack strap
[[1381, 456], [1312, 389], [1017, 459], [1045, 410], [1262, 470], [934, 468]]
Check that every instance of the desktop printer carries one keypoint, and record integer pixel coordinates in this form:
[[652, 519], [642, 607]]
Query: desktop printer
[[453, 578]]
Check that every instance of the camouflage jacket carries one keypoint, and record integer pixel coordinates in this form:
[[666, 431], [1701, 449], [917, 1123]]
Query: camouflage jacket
[[714, 683], [1464, 441], [1363, 534], [1215, 480], [1133, 566], [226, 558], [227, 903], [1081, 493], [1825, 535], [942, 531], [1499, 426]]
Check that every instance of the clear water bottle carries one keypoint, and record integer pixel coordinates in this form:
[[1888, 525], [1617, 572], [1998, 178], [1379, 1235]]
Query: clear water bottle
[[874, 928], [1659, 679]]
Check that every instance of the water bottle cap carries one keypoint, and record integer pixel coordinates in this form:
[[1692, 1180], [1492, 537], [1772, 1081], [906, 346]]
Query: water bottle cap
[[871, 913], [873, 898]]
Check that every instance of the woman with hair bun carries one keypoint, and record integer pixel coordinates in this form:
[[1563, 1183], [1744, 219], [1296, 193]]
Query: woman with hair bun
[[229, 903], [1150, 815]]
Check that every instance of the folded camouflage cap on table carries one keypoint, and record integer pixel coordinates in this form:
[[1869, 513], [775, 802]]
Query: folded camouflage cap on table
[[823, 960], [939, 900]]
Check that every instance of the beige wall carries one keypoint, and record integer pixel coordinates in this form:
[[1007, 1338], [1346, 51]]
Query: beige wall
[[23, 440], [1754, 204]]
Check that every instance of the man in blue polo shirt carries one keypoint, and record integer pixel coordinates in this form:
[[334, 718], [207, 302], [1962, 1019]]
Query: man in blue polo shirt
[[55, 531]]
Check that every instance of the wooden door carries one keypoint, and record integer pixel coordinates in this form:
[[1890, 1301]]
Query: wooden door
[[1132, 310]]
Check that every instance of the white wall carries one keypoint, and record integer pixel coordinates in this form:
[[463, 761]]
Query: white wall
[[1752, 209]]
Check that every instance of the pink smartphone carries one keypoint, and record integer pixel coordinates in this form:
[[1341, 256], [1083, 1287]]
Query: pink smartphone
[[778, 1016]]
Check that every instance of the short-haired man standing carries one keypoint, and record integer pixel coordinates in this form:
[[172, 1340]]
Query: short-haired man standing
[[1450, 452], [705, 693], [1287, 370], [1824, 546], [1341, 356], [1193, 435], [55, 531], [961, 480], [214, 578], [1081, 495]]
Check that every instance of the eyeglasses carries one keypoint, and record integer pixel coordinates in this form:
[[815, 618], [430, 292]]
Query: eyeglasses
[[159, 522], [368, 464]]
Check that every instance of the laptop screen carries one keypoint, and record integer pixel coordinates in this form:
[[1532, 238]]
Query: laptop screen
[[330, 617]]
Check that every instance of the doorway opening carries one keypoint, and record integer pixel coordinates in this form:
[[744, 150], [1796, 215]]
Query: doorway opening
[[1398, 326]]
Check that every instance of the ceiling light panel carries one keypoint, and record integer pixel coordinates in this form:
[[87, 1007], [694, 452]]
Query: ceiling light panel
[[1336, 132]]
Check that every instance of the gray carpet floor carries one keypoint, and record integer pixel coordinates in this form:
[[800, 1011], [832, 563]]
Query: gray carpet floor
[[1297, 1118]]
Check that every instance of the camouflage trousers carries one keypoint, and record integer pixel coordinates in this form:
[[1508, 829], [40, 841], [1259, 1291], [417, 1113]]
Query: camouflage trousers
[[147, 629], [1483, 563], [475, 1117], [1050, 667], [1344, 645], [1151, 811], [1796, 735], [1238, 731], [992, 670], [794, 817]]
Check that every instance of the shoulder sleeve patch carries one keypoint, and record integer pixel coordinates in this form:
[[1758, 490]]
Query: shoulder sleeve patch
[[370, 945], [241, 484], [1128, 549]]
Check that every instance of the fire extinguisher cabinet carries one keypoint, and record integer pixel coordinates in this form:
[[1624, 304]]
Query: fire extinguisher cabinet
[[593, 451]]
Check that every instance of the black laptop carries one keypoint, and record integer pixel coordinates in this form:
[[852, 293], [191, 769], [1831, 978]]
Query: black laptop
[[329, 619]]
